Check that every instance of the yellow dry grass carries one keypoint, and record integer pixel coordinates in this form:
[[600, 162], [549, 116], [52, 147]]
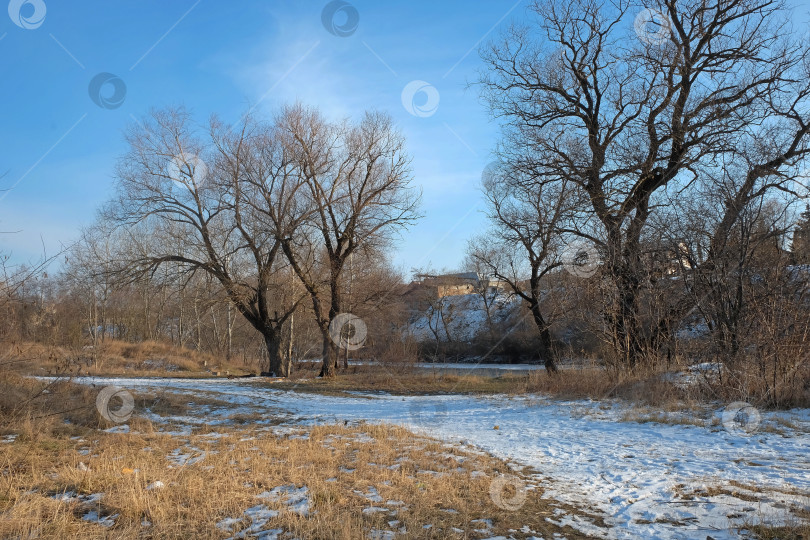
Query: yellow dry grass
[[419, 482], [573, 383], [113, 357]]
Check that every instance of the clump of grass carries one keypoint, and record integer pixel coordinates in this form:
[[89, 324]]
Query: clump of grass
[[780, 532], [31, 408], [646, 415]]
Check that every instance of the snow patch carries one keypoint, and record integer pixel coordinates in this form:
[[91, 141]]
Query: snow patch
[[296, 499]]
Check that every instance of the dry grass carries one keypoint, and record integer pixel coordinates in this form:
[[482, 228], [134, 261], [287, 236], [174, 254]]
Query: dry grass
[[60, 450], [400, 382], [793, 531], [648, 387], [574, 383], [29, 406], [645, 415], [339, 466], [113, 357]]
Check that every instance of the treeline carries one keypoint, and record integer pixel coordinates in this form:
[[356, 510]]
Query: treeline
[[663, 168], [671, 156], [80, 312], [274, 213]]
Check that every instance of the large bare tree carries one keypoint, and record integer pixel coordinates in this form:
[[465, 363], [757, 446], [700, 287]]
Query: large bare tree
[[189, 192], [624, 115], [358, 182]]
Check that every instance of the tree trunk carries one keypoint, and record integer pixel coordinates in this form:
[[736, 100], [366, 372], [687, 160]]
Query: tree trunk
[[546, 352], [277, 367], [627, 327], [290, 337], [624, 261], [330, 356], [334, 311], [197, 317], [230, 333], [180, 319]]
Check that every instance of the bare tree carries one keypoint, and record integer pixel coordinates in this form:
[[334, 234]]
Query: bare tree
[[624, 117], [526, 240], [357, 178], [190, 193], [721, 271], [87, 273]]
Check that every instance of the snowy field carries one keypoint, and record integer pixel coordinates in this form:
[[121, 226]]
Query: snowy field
[[648, 479]]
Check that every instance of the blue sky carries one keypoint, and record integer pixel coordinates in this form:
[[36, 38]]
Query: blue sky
[[59, 147]]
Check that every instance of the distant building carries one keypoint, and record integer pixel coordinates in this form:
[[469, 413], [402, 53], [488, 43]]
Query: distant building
[[426, 288], [449, 284]]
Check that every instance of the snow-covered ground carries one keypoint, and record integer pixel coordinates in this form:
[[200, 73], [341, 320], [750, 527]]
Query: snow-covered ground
[[462, 317], [649, 480]]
